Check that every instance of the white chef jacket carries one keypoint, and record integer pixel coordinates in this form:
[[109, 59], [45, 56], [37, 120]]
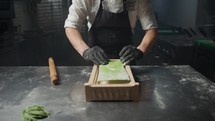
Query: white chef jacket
[[81, 10]]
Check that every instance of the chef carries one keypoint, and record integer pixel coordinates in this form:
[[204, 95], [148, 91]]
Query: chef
[[111, 25]]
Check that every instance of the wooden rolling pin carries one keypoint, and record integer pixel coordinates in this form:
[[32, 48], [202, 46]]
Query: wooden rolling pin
[[53, 72]]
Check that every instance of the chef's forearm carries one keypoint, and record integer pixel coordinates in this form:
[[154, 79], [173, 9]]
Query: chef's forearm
[[148, 40], [76, 40]]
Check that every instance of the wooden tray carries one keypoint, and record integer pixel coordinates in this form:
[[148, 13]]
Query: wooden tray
[[111, 92]]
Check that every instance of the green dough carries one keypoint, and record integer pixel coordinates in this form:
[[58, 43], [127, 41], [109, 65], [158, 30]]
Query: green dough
[[34, 113], [113, 73]]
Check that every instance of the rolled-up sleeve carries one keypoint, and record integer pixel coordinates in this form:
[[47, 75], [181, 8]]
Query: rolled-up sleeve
[[146, 15], [77, 14]]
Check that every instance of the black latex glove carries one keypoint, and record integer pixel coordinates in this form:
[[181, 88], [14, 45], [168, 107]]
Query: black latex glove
[[96, 55], [129, 53]]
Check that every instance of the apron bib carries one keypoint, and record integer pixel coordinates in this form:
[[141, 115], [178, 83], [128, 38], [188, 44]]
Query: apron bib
[[111, 31]]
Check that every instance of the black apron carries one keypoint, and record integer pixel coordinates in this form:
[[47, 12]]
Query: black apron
[[111, 31]]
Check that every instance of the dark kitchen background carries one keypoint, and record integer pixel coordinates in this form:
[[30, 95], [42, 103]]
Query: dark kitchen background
[[31, 31]]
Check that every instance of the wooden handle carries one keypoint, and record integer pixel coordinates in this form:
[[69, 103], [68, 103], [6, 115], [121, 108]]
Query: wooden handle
[[53, 72]]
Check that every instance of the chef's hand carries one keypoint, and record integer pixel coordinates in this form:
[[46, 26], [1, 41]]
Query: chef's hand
[[129, 53], [96, 55]]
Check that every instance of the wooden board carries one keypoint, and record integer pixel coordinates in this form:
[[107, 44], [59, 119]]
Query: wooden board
[[111, 92]]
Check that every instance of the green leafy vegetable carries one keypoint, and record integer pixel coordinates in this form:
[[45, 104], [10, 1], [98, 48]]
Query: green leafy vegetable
[[34, 113]]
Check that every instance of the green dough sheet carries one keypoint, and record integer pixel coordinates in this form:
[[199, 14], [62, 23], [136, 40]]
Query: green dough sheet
[[113, 73]]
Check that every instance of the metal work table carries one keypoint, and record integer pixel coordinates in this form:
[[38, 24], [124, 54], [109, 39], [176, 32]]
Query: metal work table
[[167, 93]]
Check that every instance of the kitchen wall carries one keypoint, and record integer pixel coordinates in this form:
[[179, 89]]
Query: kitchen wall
[[206, 12], [180, 13], [45, 14]]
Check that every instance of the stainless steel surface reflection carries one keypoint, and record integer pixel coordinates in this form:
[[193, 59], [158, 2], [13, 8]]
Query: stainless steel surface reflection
[[167, 93]]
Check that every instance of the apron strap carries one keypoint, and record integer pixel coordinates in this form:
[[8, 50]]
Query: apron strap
[[125, 8], [101, 3]]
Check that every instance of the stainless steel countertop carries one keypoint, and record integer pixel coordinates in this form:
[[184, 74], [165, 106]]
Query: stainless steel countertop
[[168, 93]]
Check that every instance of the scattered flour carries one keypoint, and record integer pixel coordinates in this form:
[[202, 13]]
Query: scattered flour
[[2, 85], [85, 72], [202, 85], [159, 100]]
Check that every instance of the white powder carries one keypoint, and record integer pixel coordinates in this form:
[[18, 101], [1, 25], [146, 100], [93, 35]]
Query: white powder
[[2, 85], [199, 82], [85, 72]]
